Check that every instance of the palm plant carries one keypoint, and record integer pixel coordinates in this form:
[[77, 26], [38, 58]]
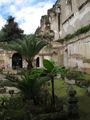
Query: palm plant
[[28, 47], [30, 84]]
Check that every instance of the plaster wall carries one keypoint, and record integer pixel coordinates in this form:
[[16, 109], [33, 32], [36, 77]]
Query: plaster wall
[[6, 60], [54, 26], [77, 53], [74, 18]]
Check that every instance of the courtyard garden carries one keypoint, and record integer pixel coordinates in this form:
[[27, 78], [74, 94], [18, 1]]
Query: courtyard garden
[[83, 99], [39, 97], [52, 92]]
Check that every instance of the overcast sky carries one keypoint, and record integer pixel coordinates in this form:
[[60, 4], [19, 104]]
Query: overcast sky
[[26, 12]]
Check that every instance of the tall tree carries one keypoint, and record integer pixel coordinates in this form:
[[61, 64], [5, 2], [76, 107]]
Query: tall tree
[[11, 31]]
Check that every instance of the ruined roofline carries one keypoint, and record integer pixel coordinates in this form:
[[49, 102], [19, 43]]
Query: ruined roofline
[[56, 3]]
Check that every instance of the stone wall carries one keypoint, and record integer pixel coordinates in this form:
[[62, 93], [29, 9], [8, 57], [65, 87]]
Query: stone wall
[[74, 15], [6, 60], [76, 53]]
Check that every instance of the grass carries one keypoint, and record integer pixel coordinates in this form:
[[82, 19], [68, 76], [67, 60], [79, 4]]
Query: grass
[[61, 89], [87, 76]]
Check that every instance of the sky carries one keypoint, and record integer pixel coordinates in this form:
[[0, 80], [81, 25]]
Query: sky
[[27, 13]]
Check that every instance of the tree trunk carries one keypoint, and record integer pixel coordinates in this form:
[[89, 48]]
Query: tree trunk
[[30, 66], [53, 95]]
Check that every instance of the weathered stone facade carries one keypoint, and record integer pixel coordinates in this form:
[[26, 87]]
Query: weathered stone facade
[[66, 17], [76, 53], [7, 63], [6, 60]]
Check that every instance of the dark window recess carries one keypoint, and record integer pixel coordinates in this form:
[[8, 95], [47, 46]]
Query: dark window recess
[[67, 19], [16, 61], [59, 22], [37, 62], [71, 5], [81, 6]]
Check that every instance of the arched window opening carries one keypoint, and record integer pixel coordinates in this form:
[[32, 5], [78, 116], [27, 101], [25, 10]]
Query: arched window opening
[[16, 61], [37, 62]]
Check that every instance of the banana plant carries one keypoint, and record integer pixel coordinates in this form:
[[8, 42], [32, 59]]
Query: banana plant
[[51, 73]]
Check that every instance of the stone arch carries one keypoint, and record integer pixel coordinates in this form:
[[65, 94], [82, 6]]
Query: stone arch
[[16, 61]]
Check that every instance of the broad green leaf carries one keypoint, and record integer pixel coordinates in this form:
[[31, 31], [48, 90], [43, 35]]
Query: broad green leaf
[[48, 65]]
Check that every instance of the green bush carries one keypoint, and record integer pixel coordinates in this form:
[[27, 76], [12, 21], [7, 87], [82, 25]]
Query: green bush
[[84, 83], [69, 36], [82, 30], [79, 77], [76, 75], [52, 116], [15, 115], [12, 108]]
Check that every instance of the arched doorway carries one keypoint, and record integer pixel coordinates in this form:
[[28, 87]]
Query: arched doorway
[[16, 61], [37, 62]]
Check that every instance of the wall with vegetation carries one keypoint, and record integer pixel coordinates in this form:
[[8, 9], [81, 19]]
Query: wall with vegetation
[[76, 53], [74, 16]]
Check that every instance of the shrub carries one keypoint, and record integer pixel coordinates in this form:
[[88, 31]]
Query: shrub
[[82, 30], [79, 77], [15, 115], [84, 83], [52, 116], [76, 75], [69, 36], [11, 108]]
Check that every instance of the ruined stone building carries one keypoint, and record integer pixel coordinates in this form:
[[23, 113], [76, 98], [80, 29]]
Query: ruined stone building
[[67, 22], [70, 22]]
